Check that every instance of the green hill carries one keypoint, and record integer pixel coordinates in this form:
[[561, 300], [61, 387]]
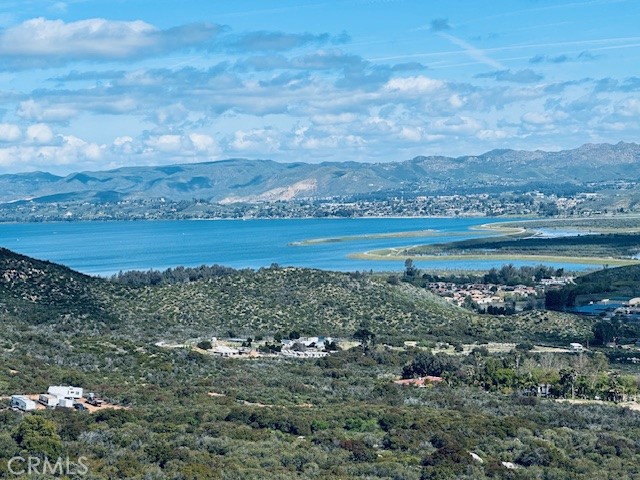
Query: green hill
[[193, 416], [247, 302], [37, 291]]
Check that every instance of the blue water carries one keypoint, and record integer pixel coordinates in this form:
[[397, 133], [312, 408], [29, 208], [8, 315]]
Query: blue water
[[105, 248]]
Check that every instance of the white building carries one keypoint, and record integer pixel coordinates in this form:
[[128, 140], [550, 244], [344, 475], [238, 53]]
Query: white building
[[65, 391], [224, 351], [23, 403], [48, 400], [576, 347], [66, 402]]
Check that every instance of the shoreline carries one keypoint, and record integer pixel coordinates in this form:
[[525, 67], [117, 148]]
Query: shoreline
[[372, 255]]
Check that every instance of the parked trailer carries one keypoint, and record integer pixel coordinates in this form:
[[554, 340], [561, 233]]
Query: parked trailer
[[65, 391], [48, 400], [22, 403], [66, 402]]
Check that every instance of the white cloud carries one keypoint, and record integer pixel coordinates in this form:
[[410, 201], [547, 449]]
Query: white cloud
[[165, 143], [70, 151], [39, 133], [41, 42], [488, 134], [121, 141], [537, 118], [457, 101], [32, 110], [204, 143], [333, 118], [418, 84], [413, 134], [256, 140], [10, 132]]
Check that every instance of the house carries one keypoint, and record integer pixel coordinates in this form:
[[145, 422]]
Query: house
[[65, 391], [21, 402]]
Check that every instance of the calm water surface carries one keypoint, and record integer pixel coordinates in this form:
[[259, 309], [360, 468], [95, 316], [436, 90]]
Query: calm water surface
[[107, 247]]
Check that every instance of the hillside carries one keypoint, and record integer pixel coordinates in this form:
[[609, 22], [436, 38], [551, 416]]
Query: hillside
[[241, 180], [188, 415], [247, 302], [37, 291]]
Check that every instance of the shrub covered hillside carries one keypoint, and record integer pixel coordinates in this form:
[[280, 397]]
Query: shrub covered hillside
[[248, 302], [37, 291], [185, 414], [332, 303]]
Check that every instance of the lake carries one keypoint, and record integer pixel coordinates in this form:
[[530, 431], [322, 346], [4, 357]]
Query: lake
[[104, 248]]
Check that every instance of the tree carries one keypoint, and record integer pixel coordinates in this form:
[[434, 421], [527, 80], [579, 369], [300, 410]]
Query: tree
[[568, 377], [38, 435], [605, 331], [366, 336], [410, 270]]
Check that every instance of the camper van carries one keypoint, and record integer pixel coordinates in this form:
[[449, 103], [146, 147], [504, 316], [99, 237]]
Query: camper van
[[20, 402]]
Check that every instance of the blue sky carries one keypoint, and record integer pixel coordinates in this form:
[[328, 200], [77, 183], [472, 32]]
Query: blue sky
[[89, 85]]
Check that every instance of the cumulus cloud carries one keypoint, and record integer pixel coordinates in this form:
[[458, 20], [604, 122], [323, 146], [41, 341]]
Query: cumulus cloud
[[520, 76], [68, 150], [39, 134], [419, 84], [35, 111], [9, 132], [256, 140], [40, 42]]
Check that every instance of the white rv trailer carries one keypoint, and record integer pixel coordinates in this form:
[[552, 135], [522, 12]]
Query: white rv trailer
[[64, 391], [22, 403]]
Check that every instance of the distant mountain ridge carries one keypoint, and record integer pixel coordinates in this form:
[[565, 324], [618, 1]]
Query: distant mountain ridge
[[242, 180]]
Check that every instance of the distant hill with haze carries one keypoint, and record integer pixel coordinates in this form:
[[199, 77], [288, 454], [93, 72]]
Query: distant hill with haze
[[242, 180]]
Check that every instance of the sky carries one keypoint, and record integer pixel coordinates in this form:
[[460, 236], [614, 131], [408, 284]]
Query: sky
[[101, 84]]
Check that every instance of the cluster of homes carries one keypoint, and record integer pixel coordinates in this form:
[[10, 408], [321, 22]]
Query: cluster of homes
[[57, 396], [481, 294]]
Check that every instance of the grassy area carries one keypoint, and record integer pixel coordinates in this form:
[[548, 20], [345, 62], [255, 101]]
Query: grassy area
[[401, 254]]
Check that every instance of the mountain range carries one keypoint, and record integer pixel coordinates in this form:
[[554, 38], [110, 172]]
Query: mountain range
[[242, 180]]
